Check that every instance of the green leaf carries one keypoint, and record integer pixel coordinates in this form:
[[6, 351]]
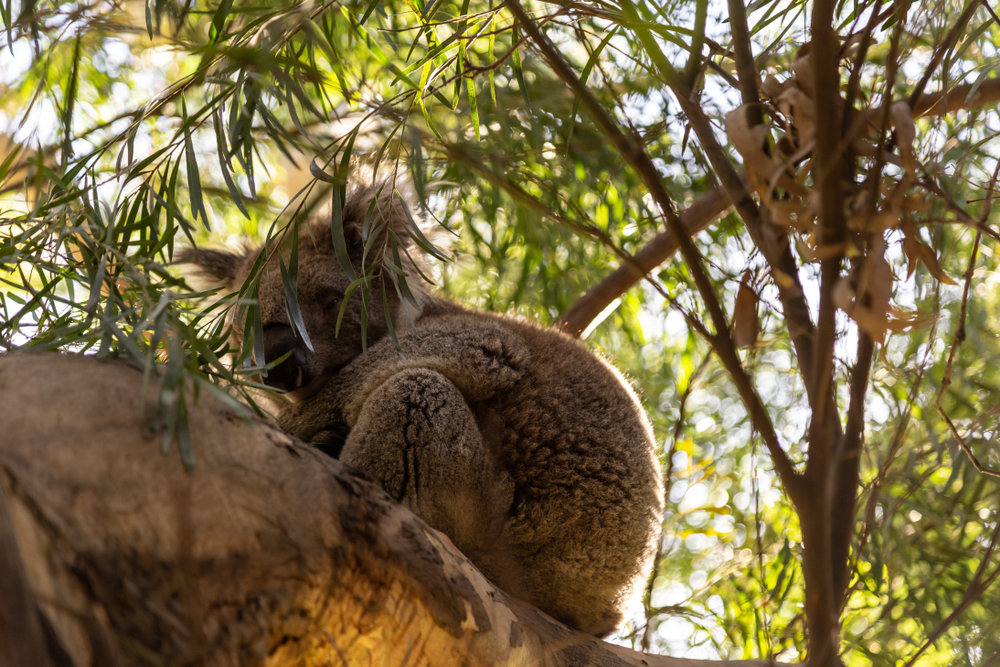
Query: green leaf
[[289, 282], [194, 179], [337, 232], [224, 166], [217, 30], [473, 107]]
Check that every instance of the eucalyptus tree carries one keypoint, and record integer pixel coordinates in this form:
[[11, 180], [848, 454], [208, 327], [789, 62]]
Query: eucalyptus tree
[[777, 216]]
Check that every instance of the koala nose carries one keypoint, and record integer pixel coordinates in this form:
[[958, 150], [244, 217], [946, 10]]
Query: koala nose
[[292, 373]]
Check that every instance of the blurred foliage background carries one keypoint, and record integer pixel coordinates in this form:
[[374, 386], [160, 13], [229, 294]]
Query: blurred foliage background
[[129, 130]]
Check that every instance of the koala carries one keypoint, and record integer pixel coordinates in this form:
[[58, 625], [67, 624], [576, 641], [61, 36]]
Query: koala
[[528, 450]]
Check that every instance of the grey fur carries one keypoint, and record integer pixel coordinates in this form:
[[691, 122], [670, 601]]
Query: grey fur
[[529, 451]]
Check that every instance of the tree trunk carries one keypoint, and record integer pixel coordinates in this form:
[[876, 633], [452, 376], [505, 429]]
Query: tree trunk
[[266, 552]]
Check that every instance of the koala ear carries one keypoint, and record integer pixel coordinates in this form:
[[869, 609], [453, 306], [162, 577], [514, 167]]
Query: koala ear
[[376, 210], [213, 265]]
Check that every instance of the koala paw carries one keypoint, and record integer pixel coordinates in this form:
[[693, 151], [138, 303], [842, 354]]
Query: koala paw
[[483, 360], [500, 357]]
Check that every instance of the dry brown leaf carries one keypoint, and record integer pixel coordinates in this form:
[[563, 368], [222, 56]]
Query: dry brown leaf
[[749, 141], [771, 86], [872, 312], [864, 147], [843, 295], [746, 321], [793, 213], [901, 319], [916, 203], [896, 195], [783, 279], [877, 223], [785, 145], [830, 250], [878, 284], [883, 220], [911, 248], [906, 132], [918, 251], [872, 323], [806, 250], [797, 105], [802, 71]]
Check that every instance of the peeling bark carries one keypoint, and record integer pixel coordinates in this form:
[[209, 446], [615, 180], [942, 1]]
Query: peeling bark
[[267, 552]]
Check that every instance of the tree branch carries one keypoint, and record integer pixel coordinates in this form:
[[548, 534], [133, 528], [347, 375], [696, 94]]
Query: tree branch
[[772, 243], [964, 97], [746, 68], [634, 153], [960, 28], [822, 598], [693, 65], [22, 638], [847, 460], [703, 212], [267, 552], [827, 174]]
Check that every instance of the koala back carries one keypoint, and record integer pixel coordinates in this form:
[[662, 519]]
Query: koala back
[[587, 503]]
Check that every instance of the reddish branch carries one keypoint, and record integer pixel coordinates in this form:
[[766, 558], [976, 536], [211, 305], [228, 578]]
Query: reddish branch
[[694, 219]]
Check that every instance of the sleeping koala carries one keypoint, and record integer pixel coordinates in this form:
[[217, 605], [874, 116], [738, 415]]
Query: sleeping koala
[[529, 451]]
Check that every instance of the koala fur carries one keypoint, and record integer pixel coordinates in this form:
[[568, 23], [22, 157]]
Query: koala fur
[[528, 450]]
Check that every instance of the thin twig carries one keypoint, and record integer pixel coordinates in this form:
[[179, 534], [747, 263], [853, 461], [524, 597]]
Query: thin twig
[[772, 242], [946, 379], [960, 28], [906, 415], [668, 476], [746, 67], [980, 582], [697, 42]]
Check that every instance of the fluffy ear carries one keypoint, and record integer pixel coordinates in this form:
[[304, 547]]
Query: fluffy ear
[[376, 210], [213, 265]]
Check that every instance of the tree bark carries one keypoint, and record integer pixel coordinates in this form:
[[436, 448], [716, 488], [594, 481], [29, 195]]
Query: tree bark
[[266, 552]]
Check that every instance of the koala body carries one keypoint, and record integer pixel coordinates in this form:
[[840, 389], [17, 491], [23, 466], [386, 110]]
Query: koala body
[[529, 451]]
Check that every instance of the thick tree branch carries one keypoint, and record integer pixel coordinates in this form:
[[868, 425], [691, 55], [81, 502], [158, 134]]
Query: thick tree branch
[[266, 553], [22, 638], [957, 98], [822, 598], [827, 174]]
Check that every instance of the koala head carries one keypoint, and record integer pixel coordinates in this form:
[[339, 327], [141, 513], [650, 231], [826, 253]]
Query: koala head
[[376, 227]]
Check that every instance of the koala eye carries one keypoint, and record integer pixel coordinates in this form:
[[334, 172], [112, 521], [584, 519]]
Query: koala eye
[[293, 372], [329, 300]]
